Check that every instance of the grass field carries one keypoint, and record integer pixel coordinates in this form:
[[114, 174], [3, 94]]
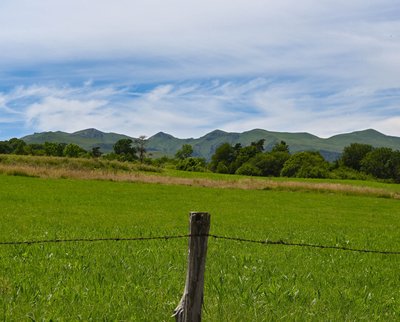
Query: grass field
[[143, 281]]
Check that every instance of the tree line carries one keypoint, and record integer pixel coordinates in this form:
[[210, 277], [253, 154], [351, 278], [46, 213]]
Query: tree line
[[123, 150], [358, 161]]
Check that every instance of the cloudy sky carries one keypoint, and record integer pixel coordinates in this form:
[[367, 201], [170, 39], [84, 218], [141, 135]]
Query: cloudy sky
[[189, 67]]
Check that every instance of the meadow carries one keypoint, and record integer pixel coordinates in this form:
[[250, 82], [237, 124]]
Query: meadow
[[144, 280]]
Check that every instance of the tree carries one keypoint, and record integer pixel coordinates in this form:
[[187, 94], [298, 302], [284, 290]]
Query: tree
[[192, 164], [280, 147], [228, 159], [248, 169], [222, 158], [242, 156], [54, 149], [353, 154], [5, 147], [185, 152], [140, 143], [17, 145], [259, 145], [222, 168], [270, 164], [124, 149], [34, 149], [382, 163], [73, 150], [96, 153], [306, 165]]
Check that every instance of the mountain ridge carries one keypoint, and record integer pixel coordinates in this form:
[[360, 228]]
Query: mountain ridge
[[163, 143]]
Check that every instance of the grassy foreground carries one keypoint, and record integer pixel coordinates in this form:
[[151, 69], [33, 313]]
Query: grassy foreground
[[143, 281]]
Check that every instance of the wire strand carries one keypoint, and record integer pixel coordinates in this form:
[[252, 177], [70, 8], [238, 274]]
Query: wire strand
[[281, 242], [167, 237]]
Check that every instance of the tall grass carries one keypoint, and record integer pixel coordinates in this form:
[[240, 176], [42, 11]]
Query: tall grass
[[143, 281], [89, 169]]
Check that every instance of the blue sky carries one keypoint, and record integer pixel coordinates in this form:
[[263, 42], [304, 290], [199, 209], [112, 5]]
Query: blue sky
[[189, 67]]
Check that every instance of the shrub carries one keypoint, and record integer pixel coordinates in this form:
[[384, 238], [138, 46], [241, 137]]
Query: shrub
[[248, 169], [270, 164], [347, 173], [192, 164], [306, 165], [222, 168], [382, 163]]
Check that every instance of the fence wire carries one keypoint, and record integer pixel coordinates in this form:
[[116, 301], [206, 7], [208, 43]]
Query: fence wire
[[168, 237]]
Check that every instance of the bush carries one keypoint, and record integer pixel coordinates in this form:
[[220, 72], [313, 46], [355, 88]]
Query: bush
[[270, 164], [248, 169], [382, 163], [347, 174], [353, 154], [222, 168], [192, 164], [73, 151], [147, 168], [306, 165]]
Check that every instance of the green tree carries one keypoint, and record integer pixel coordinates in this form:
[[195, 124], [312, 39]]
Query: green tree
[[353, 154], [34, 149], [192, 164], [54, 149], [242, 156], [184, 152], [5, 147], [280, 147], [224, 155], [228, 158], [96, 153], [306, 165], [270, 164], [248, 169], [18, 146], [222, 168], [124, 149], [259, 145], [73, 150], [382, 163]]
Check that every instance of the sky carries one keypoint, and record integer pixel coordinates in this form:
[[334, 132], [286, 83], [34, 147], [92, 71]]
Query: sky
[[189, 67]]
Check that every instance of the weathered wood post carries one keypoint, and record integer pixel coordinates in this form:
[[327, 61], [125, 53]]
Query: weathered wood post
[[189, 307]]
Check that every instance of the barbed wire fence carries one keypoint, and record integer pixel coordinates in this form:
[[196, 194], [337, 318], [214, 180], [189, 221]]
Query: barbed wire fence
[[170, 237], [190, 305]]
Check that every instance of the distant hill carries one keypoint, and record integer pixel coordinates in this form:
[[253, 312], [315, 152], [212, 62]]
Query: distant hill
[[166, 144], [86, 139]]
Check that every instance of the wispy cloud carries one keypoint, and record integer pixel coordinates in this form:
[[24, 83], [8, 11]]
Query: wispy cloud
[[192, 109], [188, 67]]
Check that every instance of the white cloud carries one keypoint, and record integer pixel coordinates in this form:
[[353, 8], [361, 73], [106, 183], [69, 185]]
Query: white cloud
[[193, 109], [70, 115], [315, 66], [208, 38]]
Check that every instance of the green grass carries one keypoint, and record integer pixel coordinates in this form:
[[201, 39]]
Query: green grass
[[143, 281]]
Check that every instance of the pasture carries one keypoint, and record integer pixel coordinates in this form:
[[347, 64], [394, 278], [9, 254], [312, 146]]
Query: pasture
[[143, 280]]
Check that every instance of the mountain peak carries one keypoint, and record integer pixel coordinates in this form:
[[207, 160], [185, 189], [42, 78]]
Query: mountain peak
[[162, 135], [89, 133], [215, 134], [370, 132]]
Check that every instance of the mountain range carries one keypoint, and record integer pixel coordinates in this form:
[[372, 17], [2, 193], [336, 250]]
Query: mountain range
[[165, 144]]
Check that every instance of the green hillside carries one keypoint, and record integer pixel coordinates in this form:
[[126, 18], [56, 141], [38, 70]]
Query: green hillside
[[330, 148], [166, 144], [86, 139]]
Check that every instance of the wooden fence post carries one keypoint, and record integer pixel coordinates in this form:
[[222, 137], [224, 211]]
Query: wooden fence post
[[189, 307]]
